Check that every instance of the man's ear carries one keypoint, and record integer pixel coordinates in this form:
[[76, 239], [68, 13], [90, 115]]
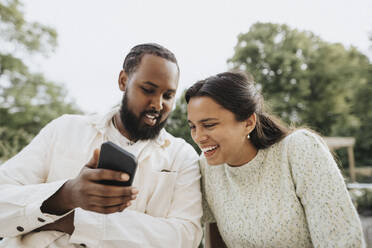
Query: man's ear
[[123, 80], [250, 123]]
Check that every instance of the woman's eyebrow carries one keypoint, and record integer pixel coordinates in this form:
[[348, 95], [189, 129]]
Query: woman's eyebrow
[[207, 119], [204, 120]]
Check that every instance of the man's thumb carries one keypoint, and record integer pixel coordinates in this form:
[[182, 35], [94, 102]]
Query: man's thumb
[[93, 162]]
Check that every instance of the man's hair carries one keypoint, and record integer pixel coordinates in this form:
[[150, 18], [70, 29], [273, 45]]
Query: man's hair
[[133, 58]]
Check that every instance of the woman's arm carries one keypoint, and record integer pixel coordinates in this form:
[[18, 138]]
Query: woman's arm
[[330, 214]]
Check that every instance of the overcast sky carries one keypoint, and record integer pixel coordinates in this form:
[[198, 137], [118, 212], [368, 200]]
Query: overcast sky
[[94, 36]]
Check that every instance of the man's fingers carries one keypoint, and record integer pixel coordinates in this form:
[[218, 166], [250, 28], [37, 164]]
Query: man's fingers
[[96, 156], [102, 190], [109, 210], [109, 201], [93, 162], [106, 174]]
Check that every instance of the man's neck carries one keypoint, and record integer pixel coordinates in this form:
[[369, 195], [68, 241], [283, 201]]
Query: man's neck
[[118, 124]]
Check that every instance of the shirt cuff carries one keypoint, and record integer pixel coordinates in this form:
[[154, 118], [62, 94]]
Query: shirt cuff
[[89, 228], [32, 216]]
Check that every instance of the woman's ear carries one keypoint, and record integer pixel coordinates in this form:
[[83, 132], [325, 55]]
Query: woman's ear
[[123, 80], [250, 123]]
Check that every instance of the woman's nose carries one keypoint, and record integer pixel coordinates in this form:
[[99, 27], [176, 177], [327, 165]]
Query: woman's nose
[[199, 137]]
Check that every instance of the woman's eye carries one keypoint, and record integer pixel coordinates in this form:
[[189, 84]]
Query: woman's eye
[[192, 127], [209, 125]]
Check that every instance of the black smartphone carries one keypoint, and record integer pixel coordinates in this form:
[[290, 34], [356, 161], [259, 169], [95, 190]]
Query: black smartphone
[[114, 157]]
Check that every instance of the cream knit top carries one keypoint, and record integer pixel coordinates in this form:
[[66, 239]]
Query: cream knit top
[[291, 194]]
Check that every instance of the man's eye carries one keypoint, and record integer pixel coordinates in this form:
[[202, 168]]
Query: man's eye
[[147, 91], [168, 96]]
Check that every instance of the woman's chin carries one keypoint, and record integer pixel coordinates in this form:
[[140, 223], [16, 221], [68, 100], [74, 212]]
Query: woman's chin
[[214, 162]]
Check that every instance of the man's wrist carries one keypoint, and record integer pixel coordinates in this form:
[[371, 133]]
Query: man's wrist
[[66, 195], [59, 203]]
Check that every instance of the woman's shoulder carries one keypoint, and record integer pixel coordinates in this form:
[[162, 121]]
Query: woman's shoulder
[[303, 137], [303, 144]]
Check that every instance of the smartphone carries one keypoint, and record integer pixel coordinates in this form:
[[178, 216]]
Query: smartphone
[[114, 157]]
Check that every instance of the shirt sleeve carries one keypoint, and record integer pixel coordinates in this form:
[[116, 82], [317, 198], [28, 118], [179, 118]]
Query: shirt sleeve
[[179, 228], [330, 214], [22, 187]]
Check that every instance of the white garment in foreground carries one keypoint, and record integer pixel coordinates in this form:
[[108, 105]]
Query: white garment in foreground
[[166, 212], [290, 195]]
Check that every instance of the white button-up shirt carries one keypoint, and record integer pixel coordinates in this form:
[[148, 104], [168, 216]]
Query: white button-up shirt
[[167, 210]]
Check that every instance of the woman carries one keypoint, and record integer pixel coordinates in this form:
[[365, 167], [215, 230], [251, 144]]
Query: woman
[[265, 185]]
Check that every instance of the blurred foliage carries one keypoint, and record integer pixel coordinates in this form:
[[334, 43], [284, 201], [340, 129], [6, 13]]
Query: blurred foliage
[[307, 81], [27, 100], [19, 34], [177, 123], [362, 199], [362, 108], [12, 141]]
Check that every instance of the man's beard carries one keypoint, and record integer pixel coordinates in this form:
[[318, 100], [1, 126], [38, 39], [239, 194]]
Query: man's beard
[[132, 124]]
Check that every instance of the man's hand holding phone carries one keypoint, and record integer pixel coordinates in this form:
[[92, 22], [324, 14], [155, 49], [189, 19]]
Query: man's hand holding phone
[[87, 191]]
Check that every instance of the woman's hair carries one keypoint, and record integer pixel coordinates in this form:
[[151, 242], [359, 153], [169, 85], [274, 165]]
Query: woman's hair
[[236, 92]]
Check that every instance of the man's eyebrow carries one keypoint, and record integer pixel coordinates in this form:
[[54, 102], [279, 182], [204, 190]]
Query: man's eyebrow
[[171, 91], [156, 86], [152, 84]]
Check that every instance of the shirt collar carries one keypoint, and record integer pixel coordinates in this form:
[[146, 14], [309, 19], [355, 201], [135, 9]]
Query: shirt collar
[[101, 123]]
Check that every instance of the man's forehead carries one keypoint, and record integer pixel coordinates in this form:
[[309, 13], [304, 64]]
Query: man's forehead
[[156, 63], [157, 71]]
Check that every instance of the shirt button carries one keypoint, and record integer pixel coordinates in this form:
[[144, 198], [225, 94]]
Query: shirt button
[[19, 228], [40, 219], [83, 245]]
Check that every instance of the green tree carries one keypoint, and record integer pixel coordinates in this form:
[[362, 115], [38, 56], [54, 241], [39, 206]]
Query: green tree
[[27, 100], [305, 80], [177, 123], [362, 108]]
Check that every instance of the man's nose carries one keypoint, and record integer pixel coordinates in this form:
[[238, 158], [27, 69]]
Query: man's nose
[[157, 103]]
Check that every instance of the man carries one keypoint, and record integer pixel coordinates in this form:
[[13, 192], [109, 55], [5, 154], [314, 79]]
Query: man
[[49, 192]]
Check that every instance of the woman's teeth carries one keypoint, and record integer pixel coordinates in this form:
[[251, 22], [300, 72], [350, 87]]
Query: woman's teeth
[[209, 148]]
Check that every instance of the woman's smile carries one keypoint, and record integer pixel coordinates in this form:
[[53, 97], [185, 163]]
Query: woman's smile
[[209, 151]]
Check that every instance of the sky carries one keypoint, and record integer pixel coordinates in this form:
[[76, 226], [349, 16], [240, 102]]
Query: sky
[[94, 36]]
